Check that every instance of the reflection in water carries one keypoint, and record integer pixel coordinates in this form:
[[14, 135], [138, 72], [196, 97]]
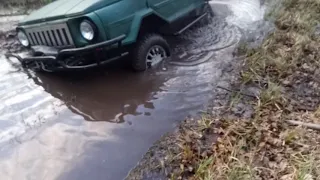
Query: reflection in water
[[66, 147], [49, 152], [103, 97]]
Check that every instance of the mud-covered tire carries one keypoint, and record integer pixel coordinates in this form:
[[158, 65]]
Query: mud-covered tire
[[143, 46]]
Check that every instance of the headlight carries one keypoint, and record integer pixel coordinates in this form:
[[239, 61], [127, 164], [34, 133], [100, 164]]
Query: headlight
[[23, 38], [87, 30]]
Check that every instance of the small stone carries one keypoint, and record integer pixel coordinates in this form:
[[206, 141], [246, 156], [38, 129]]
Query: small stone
[[308, 177], [286, 82], [305, 66], [254, 91], [317, 30], [315, 85]]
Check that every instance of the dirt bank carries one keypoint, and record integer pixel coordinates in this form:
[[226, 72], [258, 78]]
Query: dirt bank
[[282, 76]]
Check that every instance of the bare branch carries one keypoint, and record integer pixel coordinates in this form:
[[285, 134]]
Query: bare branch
[[307, 125]]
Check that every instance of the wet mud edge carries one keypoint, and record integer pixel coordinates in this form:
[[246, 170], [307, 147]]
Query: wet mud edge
[[151, 164]]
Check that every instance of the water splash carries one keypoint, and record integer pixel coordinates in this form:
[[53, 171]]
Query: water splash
[[243, 13], [199, 44]]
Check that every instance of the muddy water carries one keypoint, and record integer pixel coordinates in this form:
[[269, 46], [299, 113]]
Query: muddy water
[[98, 124]]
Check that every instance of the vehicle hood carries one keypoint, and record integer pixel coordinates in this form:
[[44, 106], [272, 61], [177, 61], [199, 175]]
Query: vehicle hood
[[64, 8]]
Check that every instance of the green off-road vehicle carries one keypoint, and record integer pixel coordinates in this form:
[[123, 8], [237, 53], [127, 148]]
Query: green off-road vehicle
[[77, 34]]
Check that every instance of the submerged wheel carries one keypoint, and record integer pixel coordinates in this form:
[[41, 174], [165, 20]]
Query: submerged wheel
[[151, 50]]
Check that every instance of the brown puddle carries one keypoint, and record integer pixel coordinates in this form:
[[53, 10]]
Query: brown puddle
[[97, 124], [104, 96]]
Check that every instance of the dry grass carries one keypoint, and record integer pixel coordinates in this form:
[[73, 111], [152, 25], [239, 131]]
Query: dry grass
[[293, 44], [265, 147]]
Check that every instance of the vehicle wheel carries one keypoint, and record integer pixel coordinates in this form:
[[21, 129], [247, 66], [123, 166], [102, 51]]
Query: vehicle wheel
[[151, 50]]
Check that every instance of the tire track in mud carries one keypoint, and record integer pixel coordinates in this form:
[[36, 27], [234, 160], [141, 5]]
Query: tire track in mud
[[193, 48]]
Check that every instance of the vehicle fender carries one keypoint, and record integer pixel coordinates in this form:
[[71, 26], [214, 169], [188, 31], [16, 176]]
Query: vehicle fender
[[117, 18], [136, 25], [96, 19], [74, 26]]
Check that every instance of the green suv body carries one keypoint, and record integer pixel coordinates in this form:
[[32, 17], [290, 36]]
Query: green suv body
[[76, 34]]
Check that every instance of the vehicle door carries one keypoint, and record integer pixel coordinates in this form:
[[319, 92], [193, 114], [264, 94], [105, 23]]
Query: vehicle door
[[169, 9]]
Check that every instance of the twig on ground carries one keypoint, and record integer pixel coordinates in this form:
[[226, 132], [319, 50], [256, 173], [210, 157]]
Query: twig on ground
[[307, 125], [300, 108], [235, 91], [14, 14]]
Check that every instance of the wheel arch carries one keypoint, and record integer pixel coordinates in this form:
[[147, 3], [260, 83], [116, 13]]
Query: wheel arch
[[141, 22]]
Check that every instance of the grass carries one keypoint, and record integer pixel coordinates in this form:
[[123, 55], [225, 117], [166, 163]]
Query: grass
[[292, 44], [264, 147]]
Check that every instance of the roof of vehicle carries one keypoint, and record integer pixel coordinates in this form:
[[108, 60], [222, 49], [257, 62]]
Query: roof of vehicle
[[64, 8]]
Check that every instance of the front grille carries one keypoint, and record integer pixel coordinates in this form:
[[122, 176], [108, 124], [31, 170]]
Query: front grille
[[56, 35]]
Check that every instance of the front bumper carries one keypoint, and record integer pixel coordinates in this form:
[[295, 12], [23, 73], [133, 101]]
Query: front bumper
[[58, 62]]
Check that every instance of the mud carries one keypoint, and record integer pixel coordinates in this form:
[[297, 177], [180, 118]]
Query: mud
[[98, 124]]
